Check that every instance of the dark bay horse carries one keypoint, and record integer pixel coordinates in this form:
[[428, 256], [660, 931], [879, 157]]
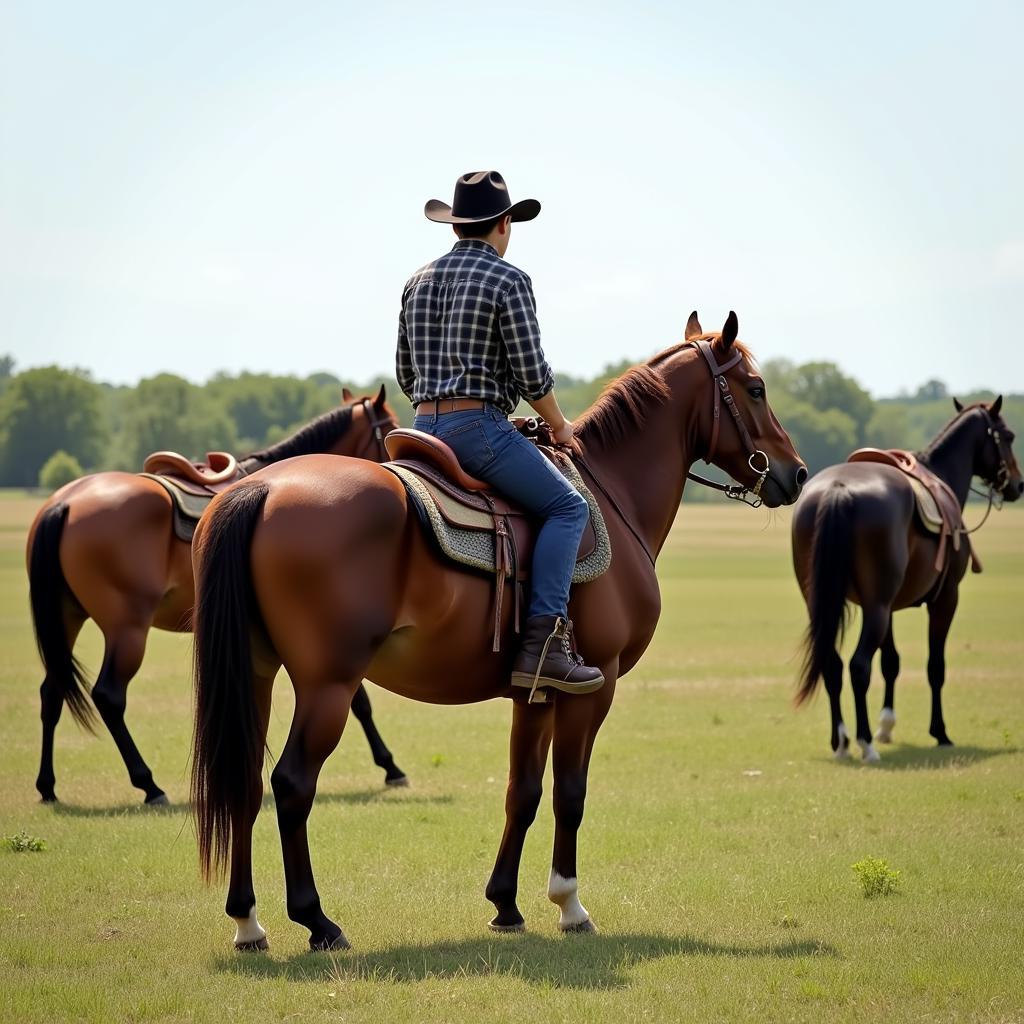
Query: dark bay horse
[[856, 538], [320, 565], [104, 548]]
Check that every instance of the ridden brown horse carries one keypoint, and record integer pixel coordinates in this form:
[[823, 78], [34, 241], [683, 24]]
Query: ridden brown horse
[[856, 538], [321, 565], [104, 548]]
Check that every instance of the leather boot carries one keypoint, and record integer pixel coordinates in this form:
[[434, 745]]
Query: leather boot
[[546, 658]]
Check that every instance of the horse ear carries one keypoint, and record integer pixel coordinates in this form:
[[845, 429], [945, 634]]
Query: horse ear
[[730, 330], [997, 406], [378, 402], [346, 395], [957, 404], [693, 327]]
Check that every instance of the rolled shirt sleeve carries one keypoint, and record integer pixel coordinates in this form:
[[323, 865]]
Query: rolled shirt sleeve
[[520, 333]]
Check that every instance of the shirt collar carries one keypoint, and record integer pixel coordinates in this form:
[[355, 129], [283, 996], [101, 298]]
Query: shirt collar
[[475, 243]]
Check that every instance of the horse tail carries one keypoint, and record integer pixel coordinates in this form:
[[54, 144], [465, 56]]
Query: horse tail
[[227, 747], [831, 568], [48, 594]]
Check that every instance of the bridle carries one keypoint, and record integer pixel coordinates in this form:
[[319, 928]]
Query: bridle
[[754, 455], [375, 423], [1002, 476]]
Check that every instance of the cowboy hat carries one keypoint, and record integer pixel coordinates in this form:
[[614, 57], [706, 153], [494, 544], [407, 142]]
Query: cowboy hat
[[480, 196]]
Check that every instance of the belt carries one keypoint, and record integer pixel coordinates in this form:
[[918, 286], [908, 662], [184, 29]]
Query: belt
[[439, 406]]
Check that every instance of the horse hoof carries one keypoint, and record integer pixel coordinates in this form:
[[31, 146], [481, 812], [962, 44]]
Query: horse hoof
[[48, 798], [399, 782], [946, 742], [515, 928], [339, 942], [582, 928], [871, 756], [841, 753], [259, 946], [160, 800]]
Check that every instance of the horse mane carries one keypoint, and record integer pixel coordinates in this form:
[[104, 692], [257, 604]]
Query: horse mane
[[951, 425], [316, 436], [625, 402]]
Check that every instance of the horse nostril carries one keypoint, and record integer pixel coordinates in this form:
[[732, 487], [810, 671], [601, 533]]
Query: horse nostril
[[1020, 487], [801, 476]]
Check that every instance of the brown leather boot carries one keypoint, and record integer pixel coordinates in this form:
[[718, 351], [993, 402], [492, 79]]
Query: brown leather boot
[[546, 658]]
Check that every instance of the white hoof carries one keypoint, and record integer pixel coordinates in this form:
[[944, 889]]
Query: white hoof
[[871, 756], [573, 916], [886, 724], [249, 933], [842, 752]]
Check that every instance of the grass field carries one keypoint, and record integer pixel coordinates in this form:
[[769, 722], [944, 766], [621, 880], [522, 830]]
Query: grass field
[[715, 855]]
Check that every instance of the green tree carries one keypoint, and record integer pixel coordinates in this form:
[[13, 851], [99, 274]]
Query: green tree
[[58, 470], [46, 410], [824, 387], [889, 427], [168, 412], [822, 438]]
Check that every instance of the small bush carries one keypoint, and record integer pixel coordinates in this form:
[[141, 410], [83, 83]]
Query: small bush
[[876, 877], [22, 842], [58, 470]]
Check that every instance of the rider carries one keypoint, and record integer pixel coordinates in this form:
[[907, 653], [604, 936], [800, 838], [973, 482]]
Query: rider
[[468, 349]]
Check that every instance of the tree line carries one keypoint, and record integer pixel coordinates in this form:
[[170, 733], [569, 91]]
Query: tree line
[[58, 423]]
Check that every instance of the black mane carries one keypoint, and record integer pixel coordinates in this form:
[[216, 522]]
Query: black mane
[[318, 435]]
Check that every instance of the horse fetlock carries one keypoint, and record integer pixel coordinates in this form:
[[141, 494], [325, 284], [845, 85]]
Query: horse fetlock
[[564, 893], [841, 745], [870, 755], [886, 724]]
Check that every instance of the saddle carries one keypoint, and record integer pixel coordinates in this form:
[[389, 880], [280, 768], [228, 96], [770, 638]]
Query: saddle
[[938, 510], [191, 485], [474, 527]]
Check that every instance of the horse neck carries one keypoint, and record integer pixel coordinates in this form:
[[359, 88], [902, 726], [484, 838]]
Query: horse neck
[[646, 471], [332, 433], [951, 455]]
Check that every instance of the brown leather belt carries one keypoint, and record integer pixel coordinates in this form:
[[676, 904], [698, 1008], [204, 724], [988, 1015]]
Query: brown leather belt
[[439, 406]]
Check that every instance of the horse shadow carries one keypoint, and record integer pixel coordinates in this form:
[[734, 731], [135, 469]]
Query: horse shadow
[[569, 961], [901, 757], [357, 798]]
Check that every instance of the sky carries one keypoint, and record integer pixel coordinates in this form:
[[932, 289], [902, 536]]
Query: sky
[[195, 187]]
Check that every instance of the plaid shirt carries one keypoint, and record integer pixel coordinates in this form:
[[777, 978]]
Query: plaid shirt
[[468, 329]]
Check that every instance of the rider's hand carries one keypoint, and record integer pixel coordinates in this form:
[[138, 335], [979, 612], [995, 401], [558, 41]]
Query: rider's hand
[[564, 434]]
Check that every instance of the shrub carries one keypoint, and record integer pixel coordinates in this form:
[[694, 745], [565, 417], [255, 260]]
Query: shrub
[[58, 470], [22, 842], [876, 877]]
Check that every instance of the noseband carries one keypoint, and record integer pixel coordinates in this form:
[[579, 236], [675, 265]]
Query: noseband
[[757, 460]]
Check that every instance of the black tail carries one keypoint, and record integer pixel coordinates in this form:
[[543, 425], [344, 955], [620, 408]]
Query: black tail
[[49, 594], [227, 749], [831, 568]]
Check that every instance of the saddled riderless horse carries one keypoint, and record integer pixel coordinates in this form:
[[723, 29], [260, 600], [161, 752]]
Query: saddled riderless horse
[[856, 537], [321, 565], [103, 547]]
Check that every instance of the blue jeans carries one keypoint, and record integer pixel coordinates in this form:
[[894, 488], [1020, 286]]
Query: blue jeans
[[489, 447]]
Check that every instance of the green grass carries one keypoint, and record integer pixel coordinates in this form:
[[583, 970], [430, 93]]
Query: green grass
[[716, 855]]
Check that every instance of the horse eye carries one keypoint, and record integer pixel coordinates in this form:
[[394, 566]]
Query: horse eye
[[756, 392]]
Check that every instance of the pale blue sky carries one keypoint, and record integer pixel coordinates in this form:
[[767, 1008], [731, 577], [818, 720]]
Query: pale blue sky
[[220, 185]]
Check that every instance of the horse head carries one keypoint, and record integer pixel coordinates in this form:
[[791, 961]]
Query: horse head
[[740, 431], [372, 420], [994, 459]]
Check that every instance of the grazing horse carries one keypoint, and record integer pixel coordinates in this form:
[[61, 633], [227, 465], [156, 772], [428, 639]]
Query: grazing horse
[[104, 548], [856, 537], [321, 565]]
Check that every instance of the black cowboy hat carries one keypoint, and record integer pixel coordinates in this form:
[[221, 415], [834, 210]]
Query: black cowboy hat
[[480, 196]]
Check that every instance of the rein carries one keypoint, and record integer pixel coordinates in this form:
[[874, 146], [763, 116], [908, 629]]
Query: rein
[[737, 492], [996, 485]]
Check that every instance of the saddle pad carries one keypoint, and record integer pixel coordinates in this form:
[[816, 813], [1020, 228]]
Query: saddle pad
[[186, 505], [927, 509], [474, 547]]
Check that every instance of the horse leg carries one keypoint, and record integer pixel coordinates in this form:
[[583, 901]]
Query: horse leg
[[577, 721], [940, 618], [125, 647], [241, 901], [873, 630], [890, 670], [833, 675], [320, 715], [51, 704], [382, 757], [528, 754]]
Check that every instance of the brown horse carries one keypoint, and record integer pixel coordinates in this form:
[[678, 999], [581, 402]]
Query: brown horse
[[856, 538], [321, 565], [104, 548]]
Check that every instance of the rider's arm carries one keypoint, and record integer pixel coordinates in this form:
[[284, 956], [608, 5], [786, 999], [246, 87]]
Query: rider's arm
[[547, 409], [404, 372]]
